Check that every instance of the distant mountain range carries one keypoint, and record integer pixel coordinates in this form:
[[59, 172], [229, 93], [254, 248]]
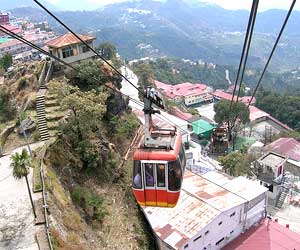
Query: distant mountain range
[[12, 4], [183, 29]]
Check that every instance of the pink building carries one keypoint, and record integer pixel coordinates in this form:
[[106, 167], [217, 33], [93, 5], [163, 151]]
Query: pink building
[[220, 94], [189, 93]]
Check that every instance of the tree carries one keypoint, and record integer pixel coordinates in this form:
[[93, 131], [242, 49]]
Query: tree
[[90, 75], [6, 61], [107, 50], [239, 113], [236, 163], [19, 164], [145, 74], [87, 109], [7, 109]]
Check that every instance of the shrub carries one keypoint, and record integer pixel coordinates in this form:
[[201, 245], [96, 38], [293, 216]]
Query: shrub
[[22, 83], [92, 204]]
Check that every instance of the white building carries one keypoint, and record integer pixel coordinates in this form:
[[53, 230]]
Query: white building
[[213, 209]]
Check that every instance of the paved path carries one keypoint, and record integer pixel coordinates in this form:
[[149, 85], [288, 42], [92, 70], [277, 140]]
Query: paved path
[[17, 231]]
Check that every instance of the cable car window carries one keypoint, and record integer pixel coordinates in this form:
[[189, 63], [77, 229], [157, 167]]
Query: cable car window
[[174, 175], [182, 156], [161, 177], [137, 177], [149, 174]]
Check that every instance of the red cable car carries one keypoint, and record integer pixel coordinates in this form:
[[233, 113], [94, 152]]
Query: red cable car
[[159, 161]]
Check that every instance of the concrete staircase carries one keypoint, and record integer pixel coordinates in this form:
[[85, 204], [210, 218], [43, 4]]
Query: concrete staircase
[[41, 118], [281, 198]]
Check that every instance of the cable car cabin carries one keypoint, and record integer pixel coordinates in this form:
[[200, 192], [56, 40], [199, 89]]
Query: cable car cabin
[[158, 172]]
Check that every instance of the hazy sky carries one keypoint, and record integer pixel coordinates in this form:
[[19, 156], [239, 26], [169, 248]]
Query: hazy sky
[[228, 4]]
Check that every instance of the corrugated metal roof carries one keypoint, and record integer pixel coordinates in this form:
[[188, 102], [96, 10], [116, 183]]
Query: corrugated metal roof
[[202, 198], [288, 147]]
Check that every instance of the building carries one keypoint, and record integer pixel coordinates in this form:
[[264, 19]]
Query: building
[[213, 209], [71, 49], [263, 126], [187, 93], [4, 18], [221, 95], [13, 29], [269, 170], [14, 47], [266, 235], [202, 129], [289, 148]]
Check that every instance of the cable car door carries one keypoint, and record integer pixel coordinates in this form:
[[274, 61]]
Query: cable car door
[[149, 182], [161, 184]]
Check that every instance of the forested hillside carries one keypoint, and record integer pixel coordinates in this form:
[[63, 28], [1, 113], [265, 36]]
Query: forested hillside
[[183, 29], [174, 71]]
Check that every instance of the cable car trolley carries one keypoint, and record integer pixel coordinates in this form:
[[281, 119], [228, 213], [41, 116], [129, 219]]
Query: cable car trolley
[[159, 160]]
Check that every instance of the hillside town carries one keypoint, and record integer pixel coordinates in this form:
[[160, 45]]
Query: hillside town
[[219, 207]]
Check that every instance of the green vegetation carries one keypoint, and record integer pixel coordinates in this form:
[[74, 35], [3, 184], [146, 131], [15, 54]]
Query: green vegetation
[[19, 164], [283, 107], [288, 134], [22, 83], [92, 204], [145, 74], [7, 109], [237, 163], [239, 112], [6, 61], [37, 181], [175, 71], [90, 75], [107, 50], [125, 126]]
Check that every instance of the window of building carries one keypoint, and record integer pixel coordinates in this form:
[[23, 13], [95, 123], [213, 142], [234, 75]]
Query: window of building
[[67, 52], [186, 246], [85, 48], [233, 214], [206, 233], [218, 242], [220, 223], [199, 237]]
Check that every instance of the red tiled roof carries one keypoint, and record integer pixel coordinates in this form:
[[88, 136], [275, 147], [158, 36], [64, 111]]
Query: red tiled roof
[[182, 89], [180, 114], [288, 147], [67, 39], [264, 237], [223, 95]]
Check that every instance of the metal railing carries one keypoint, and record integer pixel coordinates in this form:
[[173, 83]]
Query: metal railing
[[45, 205]]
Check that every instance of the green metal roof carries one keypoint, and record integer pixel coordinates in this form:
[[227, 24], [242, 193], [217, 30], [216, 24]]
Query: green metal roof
[[202, 126], [4, 40]]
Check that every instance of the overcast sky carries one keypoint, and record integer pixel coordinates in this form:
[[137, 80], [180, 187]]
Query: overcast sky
[[227, 4]]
